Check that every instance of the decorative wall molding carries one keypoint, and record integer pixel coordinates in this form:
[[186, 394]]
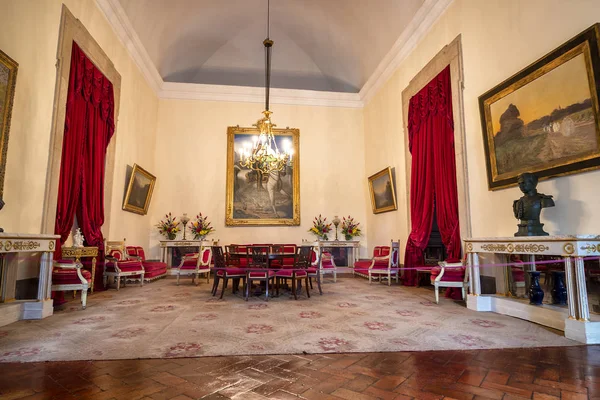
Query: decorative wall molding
[[420, 25], [190, 91], [424, 19]]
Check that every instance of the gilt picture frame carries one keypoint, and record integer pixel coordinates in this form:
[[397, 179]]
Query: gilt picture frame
[[256, 199], [138, 193], [545, 118], [8, 82], [383, 191]]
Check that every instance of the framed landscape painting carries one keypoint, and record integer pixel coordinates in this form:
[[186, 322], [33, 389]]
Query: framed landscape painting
[[545, 118], [8, 80], [254, 198], [139, 190], [383, 193]]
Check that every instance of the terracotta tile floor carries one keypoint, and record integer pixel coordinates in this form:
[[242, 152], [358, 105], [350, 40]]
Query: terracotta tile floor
[[533, 373]]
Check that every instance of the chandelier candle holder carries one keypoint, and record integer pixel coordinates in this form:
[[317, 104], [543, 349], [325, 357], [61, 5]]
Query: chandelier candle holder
[[184, 220], [264, 156], [336, 222]]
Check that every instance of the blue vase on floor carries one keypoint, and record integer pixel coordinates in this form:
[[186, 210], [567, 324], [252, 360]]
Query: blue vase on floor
[[536, 294], [559, 291]]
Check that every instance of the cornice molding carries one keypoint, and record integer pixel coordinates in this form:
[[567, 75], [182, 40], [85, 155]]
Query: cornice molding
[[246, 94], [426, 16], [424, 19], [117, 18]]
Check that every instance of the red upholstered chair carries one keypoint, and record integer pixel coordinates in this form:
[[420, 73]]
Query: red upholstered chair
[[385, 266], [288, 254], [117, 264], [69, 276], [449, 273], [225, 271], [298, 272], [258, 268], [154, 269], [195, 264], [381, 260]]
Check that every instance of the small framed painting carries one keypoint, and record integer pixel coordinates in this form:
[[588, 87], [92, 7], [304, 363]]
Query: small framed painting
[[545, 118], [138, 193], [383, 192]]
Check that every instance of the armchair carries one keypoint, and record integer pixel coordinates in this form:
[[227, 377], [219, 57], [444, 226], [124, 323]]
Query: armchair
[[449, 274], [386, 265], [361, 267], [195, 264], [67, 275], [117, 264]]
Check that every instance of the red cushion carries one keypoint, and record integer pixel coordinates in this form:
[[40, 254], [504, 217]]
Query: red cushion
[[382, 262], [131, 251], [140, 253], [125, 266], [385, 251], [69, 276], [311, 270], [362, 264], [232, 271], [450, 274], [364, 271], [115, 254], [150, 266], [261, 274], [287, 273], [154, 273]]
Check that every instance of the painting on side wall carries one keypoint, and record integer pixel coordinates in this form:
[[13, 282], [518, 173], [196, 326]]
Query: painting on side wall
[[257, 199], [140, 185], [545, 118], [8, 81], [383, 192]]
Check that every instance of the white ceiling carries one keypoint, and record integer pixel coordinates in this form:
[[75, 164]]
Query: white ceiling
[[325, 45]]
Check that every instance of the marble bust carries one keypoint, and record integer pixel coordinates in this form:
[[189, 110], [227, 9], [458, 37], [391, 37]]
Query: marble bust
[[528, 208]]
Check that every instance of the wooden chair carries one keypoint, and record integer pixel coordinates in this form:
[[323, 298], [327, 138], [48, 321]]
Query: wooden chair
[[118, 265], [195, 264], [258, 268], [450, 275], [299, 271], [67, 275], [224, 271]]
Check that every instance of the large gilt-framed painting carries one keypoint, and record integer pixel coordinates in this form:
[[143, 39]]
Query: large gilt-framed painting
[[140, 185], [545, 118], [8, 80], [258, 199], [383, 193]]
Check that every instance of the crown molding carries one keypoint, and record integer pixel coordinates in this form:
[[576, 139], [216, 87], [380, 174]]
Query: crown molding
[[191, 91], [420, 25], [117, 18], [416, 30]]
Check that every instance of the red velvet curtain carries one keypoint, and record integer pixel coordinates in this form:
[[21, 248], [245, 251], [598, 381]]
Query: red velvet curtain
[[433, 178], [89, 125]]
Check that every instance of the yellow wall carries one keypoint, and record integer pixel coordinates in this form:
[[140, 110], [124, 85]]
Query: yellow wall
[[499, 38], [191, 164], [30, 36]]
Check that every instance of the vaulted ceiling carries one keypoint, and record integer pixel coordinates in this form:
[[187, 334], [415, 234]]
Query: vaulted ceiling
[[325, 45]]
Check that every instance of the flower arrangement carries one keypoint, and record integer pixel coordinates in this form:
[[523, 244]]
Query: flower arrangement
[[201, 227], [350, 228], [320, 227], [168, 227]]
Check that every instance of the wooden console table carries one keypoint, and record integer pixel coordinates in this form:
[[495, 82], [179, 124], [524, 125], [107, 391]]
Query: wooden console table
[[572, 248], [82, 252]]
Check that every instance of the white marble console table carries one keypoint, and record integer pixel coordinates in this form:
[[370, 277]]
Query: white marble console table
[[353, 247], [573, 248], [12, 245], [167, 247]]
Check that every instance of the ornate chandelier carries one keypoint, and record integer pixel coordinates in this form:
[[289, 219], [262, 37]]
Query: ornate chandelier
[[264, 155]]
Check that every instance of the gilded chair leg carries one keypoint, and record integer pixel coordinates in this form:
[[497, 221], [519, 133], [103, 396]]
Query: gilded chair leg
[[389, 279], [334, 276], [84, 296]]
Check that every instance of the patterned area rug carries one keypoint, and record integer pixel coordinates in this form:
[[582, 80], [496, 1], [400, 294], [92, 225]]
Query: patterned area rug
[[165, 320]]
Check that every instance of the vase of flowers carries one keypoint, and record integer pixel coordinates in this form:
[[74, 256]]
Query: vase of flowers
[[350, 228], [201, 227], [320, 227], [168, 227]]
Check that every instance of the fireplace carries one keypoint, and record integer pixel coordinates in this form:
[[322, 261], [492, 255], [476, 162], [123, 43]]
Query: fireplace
[[435, 250]]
